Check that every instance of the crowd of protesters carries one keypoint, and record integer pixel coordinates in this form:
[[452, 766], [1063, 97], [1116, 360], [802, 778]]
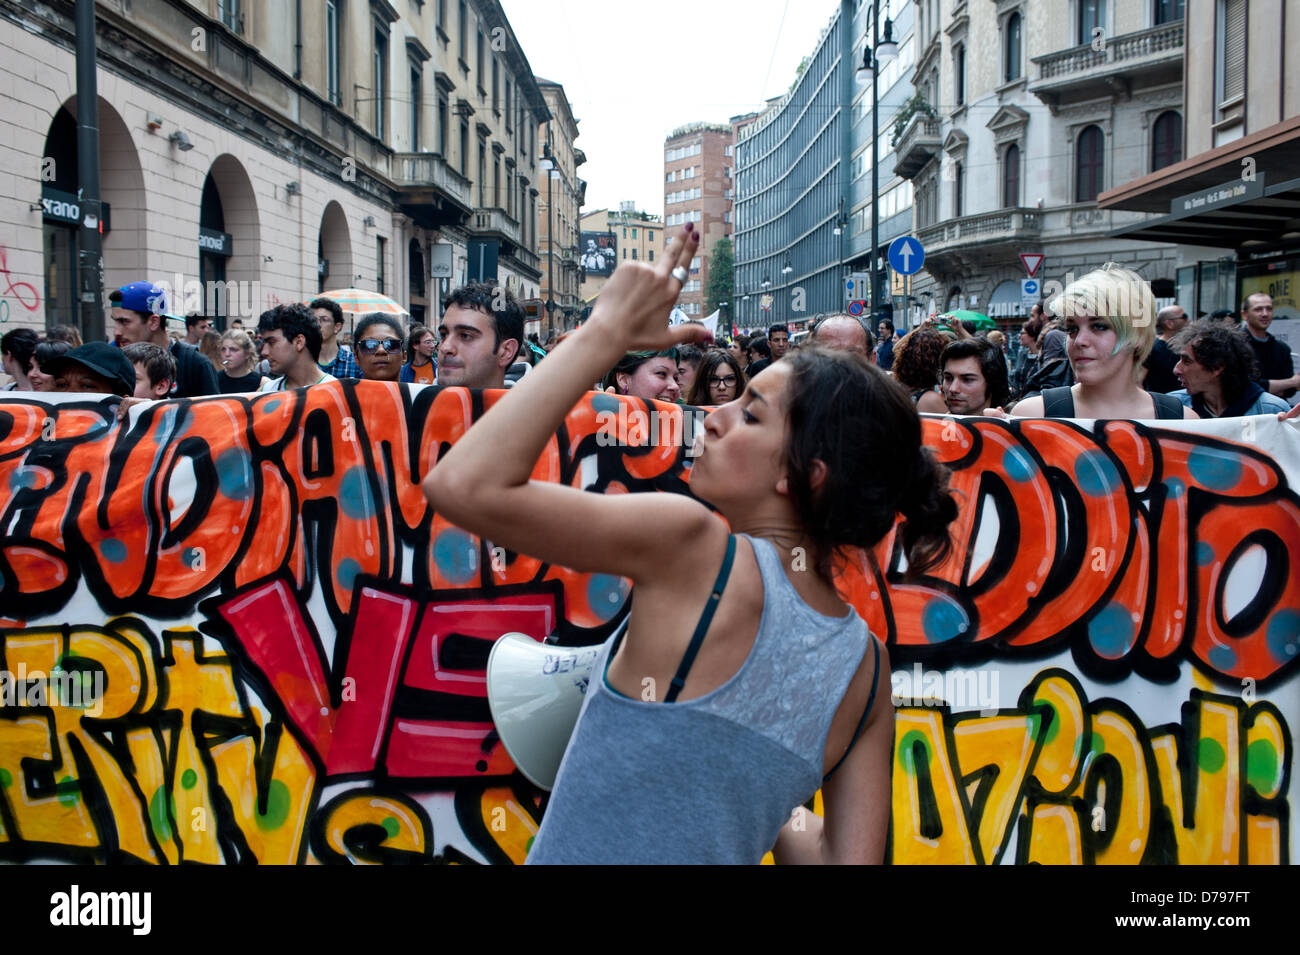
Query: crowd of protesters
[[1074, 359]]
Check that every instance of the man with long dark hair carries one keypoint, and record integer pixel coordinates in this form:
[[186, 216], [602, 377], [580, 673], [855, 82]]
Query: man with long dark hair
[[1216, 365]]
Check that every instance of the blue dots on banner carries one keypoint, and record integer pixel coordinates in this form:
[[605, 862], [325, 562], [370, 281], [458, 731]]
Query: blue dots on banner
[[355, 496], [1112, 632], [1222, 658], [1018, 464], [1204, 553], [1175, 487], [943, 619], [1283, 635], [456, 556], [604, 403], [1096, 475], [605, 594], [23, 478], [234, 474], [113, 550], [1217, 468], [347, 573]]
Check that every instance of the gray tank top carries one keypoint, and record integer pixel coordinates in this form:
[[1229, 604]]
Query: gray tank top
[[711, 779]]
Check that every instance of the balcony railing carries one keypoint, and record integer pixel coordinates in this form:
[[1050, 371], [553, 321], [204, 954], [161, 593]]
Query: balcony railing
[[416, 170], [527, 257], [987, 227], [917, 145], [1126, 50], [495, 220]]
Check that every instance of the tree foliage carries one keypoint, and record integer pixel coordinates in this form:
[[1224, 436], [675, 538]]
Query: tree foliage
[[722, 276]]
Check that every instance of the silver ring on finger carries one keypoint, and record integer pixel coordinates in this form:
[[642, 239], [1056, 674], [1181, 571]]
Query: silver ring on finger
[[680, 274]]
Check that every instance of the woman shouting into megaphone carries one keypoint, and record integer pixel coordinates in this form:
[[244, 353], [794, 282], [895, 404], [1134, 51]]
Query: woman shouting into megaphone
[[742, 682]]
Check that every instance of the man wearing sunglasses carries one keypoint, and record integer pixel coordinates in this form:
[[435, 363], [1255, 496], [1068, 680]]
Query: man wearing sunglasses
[[379, 342]]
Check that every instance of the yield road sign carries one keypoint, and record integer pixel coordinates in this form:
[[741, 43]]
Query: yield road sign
[[1031, 261], [906, 255]]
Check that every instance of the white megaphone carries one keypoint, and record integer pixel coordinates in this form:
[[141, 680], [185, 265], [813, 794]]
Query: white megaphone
[[535, 691]]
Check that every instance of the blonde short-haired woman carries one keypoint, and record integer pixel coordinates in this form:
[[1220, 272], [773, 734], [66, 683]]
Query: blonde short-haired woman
[[240, 374], [1109, 318]]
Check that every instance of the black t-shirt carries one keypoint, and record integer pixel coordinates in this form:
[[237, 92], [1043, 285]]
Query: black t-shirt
[[196, 377], [230, 385], [1273, 359], [1160, 369]]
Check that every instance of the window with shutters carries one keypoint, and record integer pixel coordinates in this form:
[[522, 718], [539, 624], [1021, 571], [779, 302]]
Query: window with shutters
[[1230, 52], [1166, 140], [1090, 164]]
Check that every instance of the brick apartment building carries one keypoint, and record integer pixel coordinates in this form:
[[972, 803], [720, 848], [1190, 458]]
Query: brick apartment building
[[698, 188]]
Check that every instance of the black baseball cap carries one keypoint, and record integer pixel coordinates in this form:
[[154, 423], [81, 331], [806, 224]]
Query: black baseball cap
[[103, 359]]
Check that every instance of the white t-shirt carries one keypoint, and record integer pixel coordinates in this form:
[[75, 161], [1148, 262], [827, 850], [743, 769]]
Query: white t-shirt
[[277, 384]]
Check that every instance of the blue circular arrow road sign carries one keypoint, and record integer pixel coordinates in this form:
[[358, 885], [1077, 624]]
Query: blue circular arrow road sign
[[906, 255]]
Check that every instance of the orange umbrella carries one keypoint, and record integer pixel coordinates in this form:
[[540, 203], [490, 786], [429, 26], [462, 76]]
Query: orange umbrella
[[357, 302]]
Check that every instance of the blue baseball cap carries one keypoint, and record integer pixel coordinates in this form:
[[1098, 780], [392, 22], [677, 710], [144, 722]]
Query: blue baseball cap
[[143, 297]]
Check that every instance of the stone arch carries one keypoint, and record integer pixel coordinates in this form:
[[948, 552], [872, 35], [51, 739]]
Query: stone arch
[[241, 220], [335, 245], [121, 186]]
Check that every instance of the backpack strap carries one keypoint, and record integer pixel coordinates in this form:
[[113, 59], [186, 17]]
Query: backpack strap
[[1168, 407], [1058, 403]]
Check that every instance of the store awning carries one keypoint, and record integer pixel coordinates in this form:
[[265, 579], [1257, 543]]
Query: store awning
[[1246, 192]]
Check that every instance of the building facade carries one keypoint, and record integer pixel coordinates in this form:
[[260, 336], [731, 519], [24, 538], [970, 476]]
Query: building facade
[[1024, 114], [1234, 202], [560, 204], [632, 235], [254, 154], [804, 191], [698, 184]]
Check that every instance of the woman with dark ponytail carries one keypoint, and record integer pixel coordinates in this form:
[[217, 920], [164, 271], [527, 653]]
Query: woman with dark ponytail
[[742, 682]]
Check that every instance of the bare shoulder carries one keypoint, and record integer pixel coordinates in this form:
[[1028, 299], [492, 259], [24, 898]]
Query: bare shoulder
[[1189, 413], [931, 403], [1029, 408]]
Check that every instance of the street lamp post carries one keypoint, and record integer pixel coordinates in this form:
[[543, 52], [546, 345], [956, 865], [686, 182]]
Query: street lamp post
[[876, 53], [548, 164]]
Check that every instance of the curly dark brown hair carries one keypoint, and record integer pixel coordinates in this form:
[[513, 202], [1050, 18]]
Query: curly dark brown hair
[[917, 358]]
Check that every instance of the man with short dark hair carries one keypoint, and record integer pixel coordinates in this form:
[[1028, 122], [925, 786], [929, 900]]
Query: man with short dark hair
[[758, 354], [481, 332], [18, 348], [291, 343], [335, 358], [1160, 363], [1216, 365], [96, 368], [974, 376], [845, 333], [155, 370], [1275, 372], [885, 350], [195, 326], [778, 340], [137, 312]]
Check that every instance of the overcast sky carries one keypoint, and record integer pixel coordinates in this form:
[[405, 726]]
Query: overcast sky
[[635, 71]]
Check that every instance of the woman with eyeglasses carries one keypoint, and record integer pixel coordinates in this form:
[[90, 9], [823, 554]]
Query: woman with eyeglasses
[[742, 682], [651, 375], [422, 369], [718, 380], [378, 342]]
